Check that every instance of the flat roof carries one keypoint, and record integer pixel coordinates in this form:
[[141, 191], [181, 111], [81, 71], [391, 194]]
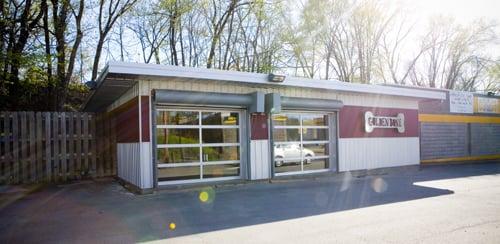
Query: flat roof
[[118, 77]]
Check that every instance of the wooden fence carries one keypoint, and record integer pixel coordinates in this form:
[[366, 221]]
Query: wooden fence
[[55, 146]]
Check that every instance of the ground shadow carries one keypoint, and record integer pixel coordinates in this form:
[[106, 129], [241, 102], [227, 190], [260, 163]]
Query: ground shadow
[[105, 211]]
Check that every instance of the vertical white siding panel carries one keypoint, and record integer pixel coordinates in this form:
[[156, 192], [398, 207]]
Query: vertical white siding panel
[[146, 166], [371, 153], [259, 159], [128, 162]]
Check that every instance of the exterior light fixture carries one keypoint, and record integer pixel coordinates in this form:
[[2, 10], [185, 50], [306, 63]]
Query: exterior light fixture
[[91, 84], [276, 78]]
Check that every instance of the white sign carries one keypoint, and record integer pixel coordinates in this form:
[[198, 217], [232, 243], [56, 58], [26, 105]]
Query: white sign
[[372, 121], [461, 102], [488, 105]]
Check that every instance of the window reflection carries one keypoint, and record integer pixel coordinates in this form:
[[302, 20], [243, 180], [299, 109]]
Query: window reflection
[[220, 118], [177, 117], [179, 173], [282, 135], [314, 119], [221, 170], [309, 134], [286, 119], [178, 155], [221, 153], [177, 136], [220, 135]]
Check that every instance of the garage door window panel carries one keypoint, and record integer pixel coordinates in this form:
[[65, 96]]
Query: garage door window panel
[[178, 155], [221, 170], [221, 135], [230, 153], [220, 118], [177, 136], [177, 118], [179, 173]]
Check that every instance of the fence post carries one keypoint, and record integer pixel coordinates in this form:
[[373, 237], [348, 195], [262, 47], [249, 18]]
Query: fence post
[[70, 139], [48, 145], [24, 148], [7, 157], [93, 141], [78, 149], [39, 144], [64, 152], [86, 139], [32, 146], [15, 148]]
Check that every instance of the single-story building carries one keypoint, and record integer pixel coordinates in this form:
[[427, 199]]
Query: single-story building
[[180, 125]]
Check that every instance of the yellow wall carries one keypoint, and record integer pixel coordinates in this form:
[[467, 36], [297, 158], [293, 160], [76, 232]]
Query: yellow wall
[[447, 118]]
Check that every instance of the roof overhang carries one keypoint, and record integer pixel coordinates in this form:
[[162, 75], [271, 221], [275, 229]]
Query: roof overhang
[[118, 77]]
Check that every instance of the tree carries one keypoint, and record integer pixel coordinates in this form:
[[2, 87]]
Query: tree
[[218, 19], [64, 64], [18, 22], [453, 55], [108, 13]]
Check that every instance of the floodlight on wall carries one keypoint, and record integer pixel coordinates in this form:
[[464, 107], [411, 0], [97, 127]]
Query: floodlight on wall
[[276, 78]]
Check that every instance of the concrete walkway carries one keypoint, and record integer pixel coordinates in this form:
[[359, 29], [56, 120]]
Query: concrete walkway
[[450, 204]]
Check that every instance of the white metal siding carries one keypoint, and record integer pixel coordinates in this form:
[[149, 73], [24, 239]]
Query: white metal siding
[[353, 99], [371, 153], [259, 159], [146, 172], [128, 162], [134, 164]]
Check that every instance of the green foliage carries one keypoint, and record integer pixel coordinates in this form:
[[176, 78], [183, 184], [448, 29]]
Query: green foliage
[[494, 78], [77, 94]]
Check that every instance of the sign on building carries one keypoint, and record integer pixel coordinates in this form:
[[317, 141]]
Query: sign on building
[[461, 102], [487, 105], [372, 121]]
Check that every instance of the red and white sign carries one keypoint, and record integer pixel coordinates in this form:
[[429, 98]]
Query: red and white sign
[[372, 122]]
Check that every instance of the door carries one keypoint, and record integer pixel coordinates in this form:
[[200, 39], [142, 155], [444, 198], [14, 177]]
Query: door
[[194, 145], [303, 142]]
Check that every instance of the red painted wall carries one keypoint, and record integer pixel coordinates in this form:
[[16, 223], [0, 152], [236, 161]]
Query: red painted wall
[[258, 123], [352, 122], [127, 120], [145, 118]]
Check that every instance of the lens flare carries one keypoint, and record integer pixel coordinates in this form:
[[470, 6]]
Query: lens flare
[[172, 226], [203, 196], [379, 185], [206, 195]]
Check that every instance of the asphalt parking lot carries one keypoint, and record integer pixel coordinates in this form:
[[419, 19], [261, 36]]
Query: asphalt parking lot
[[435, 204]]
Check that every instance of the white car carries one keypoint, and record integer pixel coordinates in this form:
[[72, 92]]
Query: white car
[[283, 152]]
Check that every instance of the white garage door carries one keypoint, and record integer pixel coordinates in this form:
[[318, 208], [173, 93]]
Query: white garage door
[[303, 142], [198, 145]]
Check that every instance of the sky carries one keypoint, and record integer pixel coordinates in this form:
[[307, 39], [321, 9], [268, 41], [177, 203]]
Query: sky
[[462, 11]]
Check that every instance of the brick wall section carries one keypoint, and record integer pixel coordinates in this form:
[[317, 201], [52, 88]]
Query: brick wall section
[[485, 139], [443, 140]]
